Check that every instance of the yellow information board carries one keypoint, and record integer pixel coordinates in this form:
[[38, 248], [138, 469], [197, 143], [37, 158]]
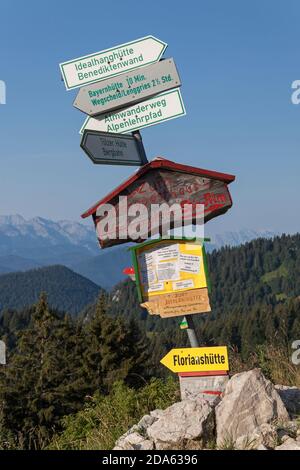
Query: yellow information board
[[197, 359], [170, 266]]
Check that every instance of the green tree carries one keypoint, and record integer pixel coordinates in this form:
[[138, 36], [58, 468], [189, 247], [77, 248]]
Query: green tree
[[42, 380], [115, 350]]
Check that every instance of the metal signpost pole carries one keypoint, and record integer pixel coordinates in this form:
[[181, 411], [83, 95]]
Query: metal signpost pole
[[138, 137], [191, 332]]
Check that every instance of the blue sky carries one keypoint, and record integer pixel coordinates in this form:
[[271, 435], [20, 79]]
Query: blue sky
[[237, 61]]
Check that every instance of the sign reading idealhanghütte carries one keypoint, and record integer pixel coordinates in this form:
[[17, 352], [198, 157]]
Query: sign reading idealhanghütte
[[111, 62]]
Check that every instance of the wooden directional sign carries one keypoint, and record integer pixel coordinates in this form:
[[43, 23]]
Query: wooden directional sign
[[160, 108], [113, 149], [197, 359], [111, 62], [128, 88]]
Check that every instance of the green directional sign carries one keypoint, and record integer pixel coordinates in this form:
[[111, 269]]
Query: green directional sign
[[127, 88], [111, 62], [160, 108]]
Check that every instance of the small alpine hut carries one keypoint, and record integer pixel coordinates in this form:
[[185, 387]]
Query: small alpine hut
[[159, 182]]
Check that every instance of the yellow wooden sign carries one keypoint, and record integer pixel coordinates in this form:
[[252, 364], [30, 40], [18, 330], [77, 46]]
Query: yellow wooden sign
[[176, 304], [171, 266], [197, 359]]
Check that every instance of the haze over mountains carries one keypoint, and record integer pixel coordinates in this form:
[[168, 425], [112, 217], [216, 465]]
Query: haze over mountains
[[37, 242]]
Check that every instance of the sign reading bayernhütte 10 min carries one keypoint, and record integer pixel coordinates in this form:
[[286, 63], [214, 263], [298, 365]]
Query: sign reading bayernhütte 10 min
[[128, 88], [111, 62]]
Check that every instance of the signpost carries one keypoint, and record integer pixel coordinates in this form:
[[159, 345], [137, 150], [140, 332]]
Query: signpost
[[124, 89], [111, 62], [113, 149], [128, 88], [158, 109], [197, 359]]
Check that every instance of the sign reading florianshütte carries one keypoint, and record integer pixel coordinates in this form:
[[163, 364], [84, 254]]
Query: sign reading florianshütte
[[113, 149], [128, 88], [160, 108], [111, 62], [197, 359]]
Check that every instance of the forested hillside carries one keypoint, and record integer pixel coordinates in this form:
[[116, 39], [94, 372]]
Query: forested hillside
[[66, 290], [56, 363]]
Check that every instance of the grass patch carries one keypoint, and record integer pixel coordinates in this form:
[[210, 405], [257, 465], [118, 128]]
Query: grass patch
[[107, 417]]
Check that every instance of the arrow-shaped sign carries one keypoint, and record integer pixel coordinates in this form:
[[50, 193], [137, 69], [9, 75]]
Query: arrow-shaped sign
[[159, 108], [197, 359], [111, 62], [127, 88], [113, 149]]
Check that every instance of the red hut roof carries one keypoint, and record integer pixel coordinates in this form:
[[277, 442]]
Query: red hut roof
[[161, 163]]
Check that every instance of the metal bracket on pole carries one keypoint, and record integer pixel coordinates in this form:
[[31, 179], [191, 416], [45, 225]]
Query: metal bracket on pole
[[194, 342], [139, 140]]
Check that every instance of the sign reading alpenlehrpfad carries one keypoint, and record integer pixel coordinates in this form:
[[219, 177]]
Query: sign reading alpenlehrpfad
[[111, 62], [160, 108]]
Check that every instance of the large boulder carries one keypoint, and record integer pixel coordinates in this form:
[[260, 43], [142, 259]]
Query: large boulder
[[289, 444], [249, 401], [186, 424], [290, 397]]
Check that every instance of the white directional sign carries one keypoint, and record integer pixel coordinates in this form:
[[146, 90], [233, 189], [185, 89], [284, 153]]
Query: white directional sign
[[160, 108], [127, 88], [113, 149], [111, 62]]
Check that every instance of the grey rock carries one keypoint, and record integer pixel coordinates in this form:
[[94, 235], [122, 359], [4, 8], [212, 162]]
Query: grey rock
[[265, 435], [133, 441], [290, 397], [145, 422], [261, 447], [186, 424], [289, 444], [156, 413], [249, 401]]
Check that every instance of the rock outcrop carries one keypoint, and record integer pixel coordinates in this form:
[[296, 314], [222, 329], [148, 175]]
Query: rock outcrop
[[249, 401], [192, 426], [252, 414]]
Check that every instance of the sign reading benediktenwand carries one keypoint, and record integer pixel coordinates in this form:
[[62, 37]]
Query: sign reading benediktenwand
[[111, 62]]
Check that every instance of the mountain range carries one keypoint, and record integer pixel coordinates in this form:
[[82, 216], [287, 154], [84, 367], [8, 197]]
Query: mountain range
[[37, 242]]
